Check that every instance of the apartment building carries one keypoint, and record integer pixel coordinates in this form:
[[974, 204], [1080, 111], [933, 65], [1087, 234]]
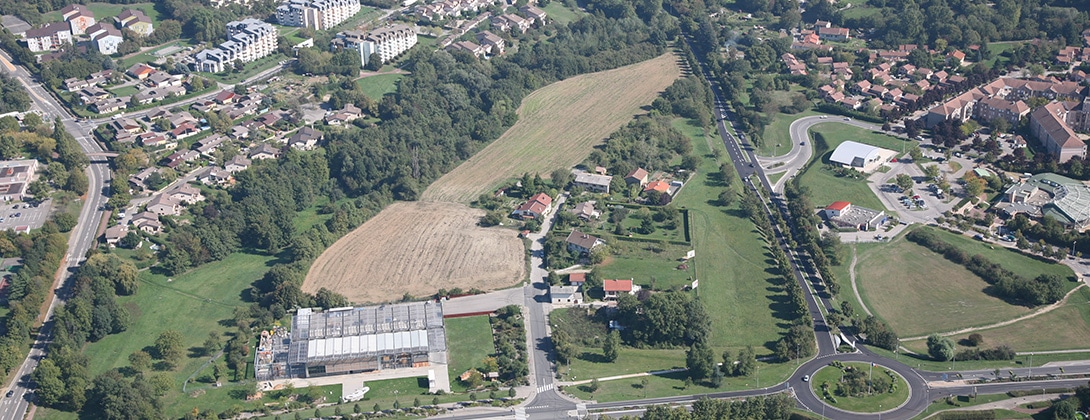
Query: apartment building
[[136, 21], [1049, 125], [388, 42], [316, 14], [247, 40], [78, 18], [105, 38], [48, 37]]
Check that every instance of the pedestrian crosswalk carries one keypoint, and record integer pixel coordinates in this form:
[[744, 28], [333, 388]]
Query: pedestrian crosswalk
[[544, 388], [520, 414]]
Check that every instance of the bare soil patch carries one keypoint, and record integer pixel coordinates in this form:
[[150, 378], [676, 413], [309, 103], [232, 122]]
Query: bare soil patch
[[558, 126], [418, 248]]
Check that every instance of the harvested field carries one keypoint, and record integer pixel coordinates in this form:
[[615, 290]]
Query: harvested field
[[558, 126], [418, 248]]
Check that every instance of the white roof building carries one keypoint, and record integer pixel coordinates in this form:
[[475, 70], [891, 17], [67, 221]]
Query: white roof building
[[860, 156]]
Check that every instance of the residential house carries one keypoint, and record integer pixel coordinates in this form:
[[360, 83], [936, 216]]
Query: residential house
[[139, 179], [213, 175], [114, 234], [208, 145], [155, 140], [162, 79], [163, 205], [135, 20], [638, 176], [147, 222], [534, 13], [48, 37], [955, 58], [536, 206], [184, 130], [585, 211], [105, 38], [306, 138], [510, 22], [265, 151], [236, 164], [78, 17], [345, 115], [176, 120], [91, 94], [74, 84], [140, 71], [239, 132], [186, 193], [471, 47], [581, 242], [128, 125], [226, 97], [614, 288], [108, 105], [565, 295], [593, 182], [492, 43], [834, 34], [577, 279]]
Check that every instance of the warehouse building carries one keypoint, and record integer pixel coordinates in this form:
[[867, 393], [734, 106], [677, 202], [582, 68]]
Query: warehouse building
[[354, 340], [861, 157]]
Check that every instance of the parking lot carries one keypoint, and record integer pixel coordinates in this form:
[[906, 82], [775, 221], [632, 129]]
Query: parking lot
[[18, 214]]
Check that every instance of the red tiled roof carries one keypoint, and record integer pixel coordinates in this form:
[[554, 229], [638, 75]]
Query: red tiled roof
[[838, 205], [577, 278], [617, 285], [659, 186]]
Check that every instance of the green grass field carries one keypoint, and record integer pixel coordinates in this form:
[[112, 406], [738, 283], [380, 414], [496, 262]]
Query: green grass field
[[777, 132], [731, 260], [1023, 265], [469, 340], [125, 91], [107, 11], [379, 85], [1067, 327], [825, 186], [562, 14], [194, 304], [673, 384], [636, 261], [870, 404], [918, 292]]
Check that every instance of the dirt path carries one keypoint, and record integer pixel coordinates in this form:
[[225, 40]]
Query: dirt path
[[1043, 311], [855, 289]]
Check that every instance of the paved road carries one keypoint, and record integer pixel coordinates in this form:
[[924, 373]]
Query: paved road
[[80, 240], [802, 148]]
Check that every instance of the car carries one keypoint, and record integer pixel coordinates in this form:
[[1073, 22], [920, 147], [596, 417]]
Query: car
[[18, 214], [802, 143], [750, 165], [824, 117], [10, 393], [806, 378], [847, 119]]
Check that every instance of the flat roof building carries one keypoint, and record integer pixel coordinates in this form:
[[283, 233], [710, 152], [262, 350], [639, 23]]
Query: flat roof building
[[355, 340]]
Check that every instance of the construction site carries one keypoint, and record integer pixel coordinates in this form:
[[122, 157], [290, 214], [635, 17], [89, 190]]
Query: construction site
[[353, 340]]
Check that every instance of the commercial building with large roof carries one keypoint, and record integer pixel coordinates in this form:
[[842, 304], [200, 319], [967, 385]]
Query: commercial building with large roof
[[354, 340], [863, 157], [1063, 199]]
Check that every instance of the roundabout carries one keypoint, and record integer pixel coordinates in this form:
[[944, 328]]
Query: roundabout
[[859, 387]]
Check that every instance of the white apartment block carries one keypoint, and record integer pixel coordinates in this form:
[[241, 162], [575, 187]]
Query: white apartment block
[[387, 42], [105, 38], [48, 37], [316, 14], [247, 40]]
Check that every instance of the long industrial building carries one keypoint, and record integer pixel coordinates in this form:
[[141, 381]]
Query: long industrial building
[[316, 14], [354, 340], [387, 42], [247, 40]]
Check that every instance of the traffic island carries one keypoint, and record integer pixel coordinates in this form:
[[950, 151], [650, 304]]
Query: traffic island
[[859, 387]]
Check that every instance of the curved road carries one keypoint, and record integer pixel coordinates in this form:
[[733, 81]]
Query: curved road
[[802, 148]]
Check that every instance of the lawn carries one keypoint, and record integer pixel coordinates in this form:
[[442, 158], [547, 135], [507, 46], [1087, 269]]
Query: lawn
[[193, 303], [830, 375], [778, 132], [250, 69], [562, 14], [379, 85], [645, 263], [673, 384], [1067, 327], [918, 292], [961, 402], [106, 11], [743, 299], [1021, 264], [469, 341], [125, 91], [558, 126]]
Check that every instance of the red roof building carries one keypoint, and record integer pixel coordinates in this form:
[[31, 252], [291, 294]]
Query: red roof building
[[837, 208], [660, 186], [614, 288], [535, 207]]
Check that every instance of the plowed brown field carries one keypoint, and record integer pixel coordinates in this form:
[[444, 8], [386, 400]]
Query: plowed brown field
[[418, 248]]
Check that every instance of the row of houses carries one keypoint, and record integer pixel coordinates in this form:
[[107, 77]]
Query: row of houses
[[247, 40], [1053, 125], [487, 44], [450, 8], [510, 22]]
